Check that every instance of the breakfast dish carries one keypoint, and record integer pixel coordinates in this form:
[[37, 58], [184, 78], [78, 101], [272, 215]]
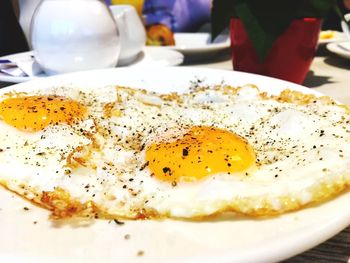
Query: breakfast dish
[[159, 35], [120, 152], [54, 162], [331, 36]]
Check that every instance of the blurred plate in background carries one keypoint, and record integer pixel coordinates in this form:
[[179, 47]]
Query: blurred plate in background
[[199, 44], [342, 49]]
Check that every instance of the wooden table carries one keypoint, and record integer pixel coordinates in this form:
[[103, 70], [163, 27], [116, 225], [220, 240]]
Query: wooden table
[[330, 75]]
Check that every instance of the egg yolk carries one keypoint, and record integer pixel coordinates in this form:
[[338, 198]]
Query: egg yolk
[[34, 113], [200, 152]]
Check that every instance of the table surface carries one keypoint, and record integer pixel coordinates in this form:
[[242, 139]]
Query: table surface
[[330, 75]]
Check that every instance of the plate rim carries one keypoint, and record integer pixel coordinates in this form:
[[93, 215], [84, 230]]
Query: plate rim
[[333, 47], [331, 229]]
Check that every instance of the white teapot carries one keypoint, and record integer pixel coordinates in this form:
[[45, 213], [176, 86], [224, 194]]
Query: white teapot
[[72, 35]]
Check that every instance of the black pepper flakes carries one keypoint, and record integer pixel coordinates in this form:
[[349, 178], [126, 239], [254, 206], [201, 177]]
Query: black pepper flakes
[[166, 170], [144, 166], [118, 222], [322, 133], [184, 152], [142, 147]]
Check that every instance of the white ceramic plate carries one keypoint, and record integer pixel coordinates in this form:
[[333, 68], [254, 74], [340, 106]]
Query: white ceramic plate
[[148, 57], [342, 49], [28, 236], [199, 43], [334, 36]]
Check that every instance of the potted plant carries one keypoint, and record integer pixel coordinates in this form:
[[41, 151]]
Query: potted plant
[[272, 37]]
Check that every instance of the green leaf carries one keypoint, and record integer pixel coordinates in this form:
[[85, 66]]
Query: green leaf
[[259, 38], [265, 20], [221, 13], [315, 8]]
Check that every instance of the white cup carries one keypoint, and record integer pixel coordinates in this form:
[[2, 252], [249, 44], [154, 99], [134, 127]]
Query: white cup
[[345, 27], [73, 35], [131, 30]]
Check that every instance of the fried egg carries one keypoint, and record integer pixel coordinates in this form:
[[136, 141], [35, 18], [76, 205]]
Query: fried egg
[[126, 153]]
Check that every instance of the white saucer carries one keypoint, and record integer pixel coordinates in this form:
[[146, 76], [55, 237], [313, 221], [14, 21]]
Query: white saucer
[[148, 57], [342, 48], [191, 44]]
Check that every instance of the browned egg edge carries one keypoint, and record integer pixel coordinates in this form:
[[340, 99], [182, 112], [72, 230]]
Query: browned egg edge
[[62, 206]]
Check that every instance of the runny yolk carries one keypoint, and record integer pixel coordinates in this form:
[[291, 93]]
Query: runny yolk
[[34, 113], [200, 152]]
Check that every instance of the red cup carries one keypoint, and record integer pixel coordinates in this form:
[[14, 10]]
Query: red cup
[[290, 56]]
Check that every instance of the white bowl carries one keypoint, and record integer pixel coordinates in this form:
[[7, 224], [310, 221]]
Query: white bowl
[[131, 30]]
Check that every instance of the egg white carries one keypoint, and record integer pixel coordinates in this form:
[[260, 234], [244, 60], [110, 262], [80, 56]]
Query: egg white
[[300, 148]]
